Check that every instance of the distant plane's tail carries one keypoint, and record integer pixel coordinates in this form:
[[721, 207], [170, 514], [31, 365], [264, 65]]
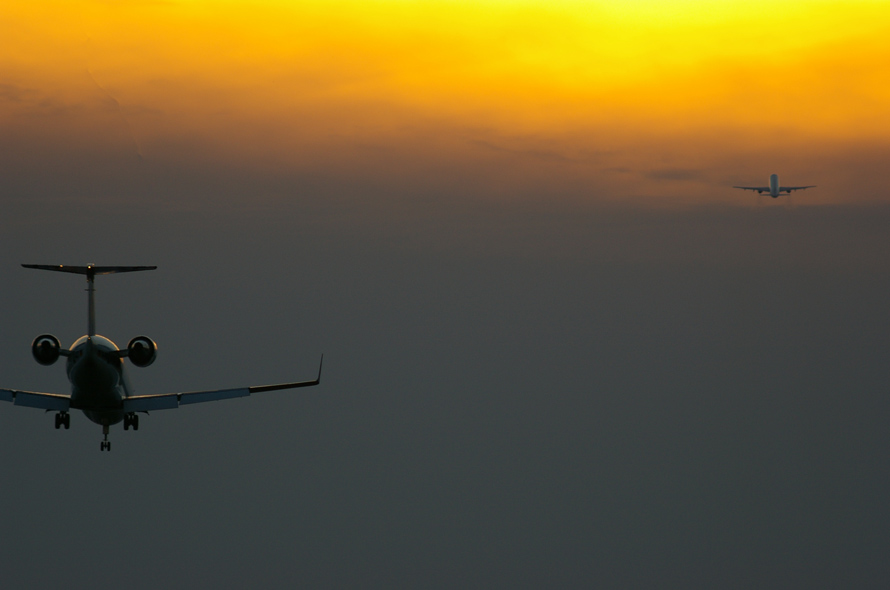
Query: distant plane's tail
[[90, 271]]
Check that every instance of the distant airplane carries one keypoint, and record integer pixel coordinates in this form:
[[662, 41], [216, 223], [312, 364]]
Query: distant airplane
[[99, 384], [774, 189]]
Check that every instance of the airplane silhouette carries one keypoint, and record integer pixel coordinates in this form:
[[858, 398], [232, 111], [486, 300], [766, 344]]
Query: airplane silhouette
[[774, 189], [100, 387]]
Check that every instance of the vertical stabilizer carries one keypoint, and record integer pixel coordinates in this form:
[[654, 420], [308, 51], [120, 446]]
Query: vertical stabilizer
[[90, 271]]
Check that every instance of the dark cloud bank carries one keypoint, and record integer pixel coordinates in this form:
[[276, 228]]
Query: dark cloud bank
[[526, 393]]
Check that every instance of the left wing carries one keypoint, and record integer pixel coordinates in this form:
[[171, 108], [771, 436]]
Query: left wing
[[762, 189], [169, 401], [36, 399], [788, 189]]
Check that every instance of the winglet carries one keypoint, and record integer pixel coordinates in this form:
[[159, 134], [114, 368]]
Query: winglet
[[259, 388]]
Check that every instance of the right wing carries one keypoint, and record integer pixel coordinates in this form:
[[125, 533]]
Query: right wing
[[764, 189], [36, 399], [169, 401]]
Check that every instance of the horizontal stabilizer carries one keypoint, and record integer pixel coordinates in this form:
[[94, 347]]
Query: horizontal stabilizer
[[88, 270]]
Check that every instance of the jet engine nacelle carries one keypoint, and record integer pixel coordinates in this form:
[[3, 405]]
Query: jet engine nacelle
[[46, 349], [142, 351]]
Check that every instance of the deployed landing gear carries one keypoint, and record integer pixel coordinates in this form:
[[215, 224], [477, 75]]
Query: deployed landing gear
[[105, 445], [131, 419], [63, 419]]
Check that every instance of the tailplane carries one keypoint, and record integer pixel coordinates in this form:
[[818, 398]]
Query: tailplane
[[90, 271]]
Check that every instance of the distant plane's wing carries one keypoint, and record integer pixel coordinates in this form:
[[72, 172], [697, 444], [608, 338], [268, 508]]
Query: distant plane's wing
[[788, 189], [36, 399], [764, 189], [168, 401]]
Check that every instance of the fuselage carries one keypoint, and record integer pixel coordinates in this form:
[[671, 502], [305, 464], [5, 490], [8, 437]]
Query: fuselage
[[774, 185], [98, 379]]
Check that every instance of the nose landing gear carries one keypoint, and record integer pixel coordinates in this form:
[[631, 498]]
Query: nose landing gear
[[105, 445], [131, 420]]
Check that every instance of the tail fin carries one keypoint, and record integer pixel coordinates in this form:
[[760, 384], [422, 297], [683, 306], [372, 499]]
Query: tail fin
[[90, 271]]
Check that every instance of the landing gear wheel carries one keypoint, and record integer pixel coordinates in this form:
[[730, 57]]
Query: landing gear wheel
[[131, 420], [105, 445], [63, 419]]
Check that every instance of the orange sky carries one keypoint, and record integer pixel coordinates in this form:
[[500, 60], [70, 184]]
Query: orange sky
[[636, 87]]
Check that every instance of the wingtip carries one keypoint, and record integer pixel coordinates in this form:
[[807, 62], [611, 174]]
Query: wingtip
[[320, 363]]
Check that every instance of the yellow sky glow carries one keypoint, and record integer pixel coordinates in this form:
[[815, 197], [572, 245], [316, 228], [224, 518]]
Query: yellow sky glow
[[289, 71]]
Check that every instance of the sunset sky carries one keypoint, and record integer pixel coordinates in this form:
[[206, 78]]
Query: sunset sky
[[560, 350], [704, 93]]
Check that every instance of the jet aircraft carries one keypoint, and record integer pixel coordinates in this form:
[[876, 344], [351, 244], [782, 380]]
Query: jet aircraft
[[774, 189], [100, 387]]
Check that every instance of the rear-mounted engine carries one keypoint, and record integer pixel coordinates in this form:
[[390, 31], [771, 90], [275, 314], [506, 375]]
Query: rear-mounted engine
[[142, 351], [45, 349]]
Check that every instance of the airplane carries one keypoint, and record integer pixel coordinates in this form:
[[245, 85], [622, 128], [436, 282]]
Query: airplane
[[100, 387], [774, 189]]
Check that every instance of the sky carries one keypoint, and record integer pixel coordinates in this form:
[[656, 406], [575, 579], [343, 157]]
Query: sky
[[559, 348]]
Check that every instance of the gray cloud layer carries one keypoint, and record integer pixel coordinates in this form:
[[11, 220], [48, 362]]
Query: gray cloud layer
[[521, 393]]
